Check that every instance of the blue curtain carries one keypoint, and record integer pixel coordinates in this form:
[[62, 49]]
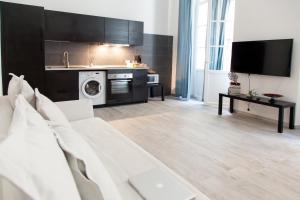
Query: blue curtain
[[184, 53], [217, 38]]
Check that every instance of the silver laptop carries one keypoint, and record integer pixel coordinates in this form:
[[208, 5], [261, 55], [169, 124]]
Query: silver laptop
[[158, 185]]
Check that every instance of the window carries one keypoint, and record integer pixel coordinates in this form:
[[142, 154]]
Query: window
[[200, 20], [221, 34]]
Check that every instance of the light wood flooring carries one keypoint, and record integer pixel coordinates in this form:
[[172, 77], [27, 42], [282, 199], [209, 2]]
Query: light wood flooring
[[234, 157]]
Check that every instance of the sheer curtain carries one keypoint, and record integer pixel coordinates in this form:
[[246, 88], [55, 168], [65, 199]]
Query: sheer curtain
[[219, 13], [184, 53]]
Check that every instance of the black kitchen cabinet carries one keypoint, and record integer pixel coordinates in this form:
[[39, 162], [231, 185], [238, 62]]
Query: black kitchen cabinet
[[62, 26], [62, 85], [22, 43], [140, 90], [136, 33], [116, 31]]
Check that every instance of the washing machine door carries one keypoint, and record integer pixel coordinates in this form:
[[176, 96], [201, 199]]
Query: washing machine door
[[92, 88]]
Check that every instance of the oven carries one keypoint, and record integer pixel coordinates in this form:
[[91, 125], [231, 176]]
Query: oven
[[119, 88]]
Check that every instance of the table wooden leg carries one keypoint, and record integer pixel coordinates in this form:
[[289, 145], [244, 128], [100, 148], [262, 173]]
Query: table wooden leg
[[280, 120], [220, 104], [292, 118], [231, 105], [151, 92]]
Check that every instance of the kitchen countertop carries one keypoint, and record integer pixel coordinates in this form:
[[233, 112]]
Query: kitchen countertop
[[86, 67]]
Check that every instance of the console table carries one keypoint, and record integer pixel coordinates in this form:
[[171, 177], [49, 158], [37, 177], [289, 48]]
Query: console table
[[281, 105]]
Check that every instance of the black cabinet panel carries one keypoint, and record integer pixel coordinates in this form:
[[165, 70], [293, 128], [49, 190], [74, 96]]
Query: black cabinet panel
[[63, 26], [62, 85], [89, 28], [116, 31], [22, 43], [136, 33], [140, 90], [59, 26]]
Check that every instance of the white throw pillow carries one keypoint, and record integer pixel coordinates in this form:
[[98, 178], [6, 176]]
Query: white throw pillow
[[31, 158], [17, 85], [49, 110], [91, 171]]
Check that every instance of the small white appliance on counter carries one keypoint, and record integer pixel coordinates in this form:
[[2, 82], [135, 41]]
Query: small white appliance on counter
[[92, 85], [153, 78]]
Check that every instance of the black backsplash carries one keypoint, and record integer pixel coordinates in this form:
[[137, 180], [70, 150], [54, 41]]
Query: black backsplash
[[156, 53]]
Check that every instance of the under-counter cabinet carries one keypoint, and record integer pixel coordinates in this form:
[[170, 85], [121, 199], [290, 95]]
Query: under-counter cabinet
[[140, 89], [62, 26], [22, 43], [62, 85]]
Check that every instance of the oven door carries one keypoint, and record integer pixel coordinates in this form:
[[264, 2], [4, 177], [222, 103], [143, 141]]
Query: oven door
[[119, 91]]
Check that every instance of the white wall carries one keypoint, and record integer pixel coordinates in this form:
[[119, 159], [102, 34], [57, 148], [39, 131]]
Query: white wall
[[270, 19], [173, 30], [1, 90]]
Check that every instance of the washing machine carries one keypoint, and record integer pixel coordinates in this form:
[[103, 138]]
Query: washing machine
[[92, 85]]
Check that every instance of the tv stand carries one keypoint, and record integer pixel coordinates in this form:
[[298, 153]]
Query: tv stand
[[281, 105]]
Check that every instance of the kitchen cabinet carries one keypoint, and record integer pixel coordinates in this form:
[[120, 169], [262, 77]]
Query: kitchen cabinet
[[136, 33], [62, 85], [140, 89], [22, 43], [116, 31], [62, 26]]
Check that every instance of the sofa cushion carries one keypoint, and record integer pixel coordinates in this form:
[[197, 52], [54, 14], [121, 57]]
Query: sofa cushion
[[88, 168], [49, 110], [9, 191], [31, 159], [17, 85], [6, 113]]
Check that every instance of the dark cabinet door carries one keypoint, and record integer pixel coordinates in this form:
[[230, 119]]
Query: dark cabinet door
[[136, 33], [89, 28], [116, 31], [62, 85], [59, 26], [140, 90], [22, 47], [63, 26]]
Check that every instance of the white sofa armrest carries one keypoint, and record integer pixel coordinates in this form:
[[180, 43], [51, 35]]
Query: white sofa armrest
[[77, 110]]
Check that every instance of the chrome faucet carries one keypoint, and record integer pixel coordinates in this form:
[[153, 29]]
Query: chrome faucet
[[66, 59]]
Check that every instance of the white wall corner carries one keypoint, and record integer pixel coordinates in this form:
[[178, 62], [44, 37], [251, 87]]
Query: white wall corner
[[173, 30]]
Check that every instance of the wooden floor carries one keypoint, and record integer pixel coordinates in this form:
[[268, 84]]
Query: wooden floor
[[233, 157]]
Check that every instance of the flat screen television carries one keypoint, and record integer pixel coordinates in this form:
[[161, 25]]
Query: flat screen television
[[266, 57]]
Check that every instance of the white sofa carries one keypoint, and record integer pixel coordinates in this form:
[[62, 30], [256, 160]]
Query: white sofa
[[121, 157]]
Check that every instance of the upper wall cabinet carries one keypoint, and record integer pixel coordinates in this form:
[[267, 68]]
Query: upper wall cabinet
[[63, 26], [22, 46], [136, 33], [116, 31]]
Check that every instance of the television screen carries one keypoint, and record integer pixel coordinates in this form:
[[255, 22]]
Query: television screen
[[268, 57]]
